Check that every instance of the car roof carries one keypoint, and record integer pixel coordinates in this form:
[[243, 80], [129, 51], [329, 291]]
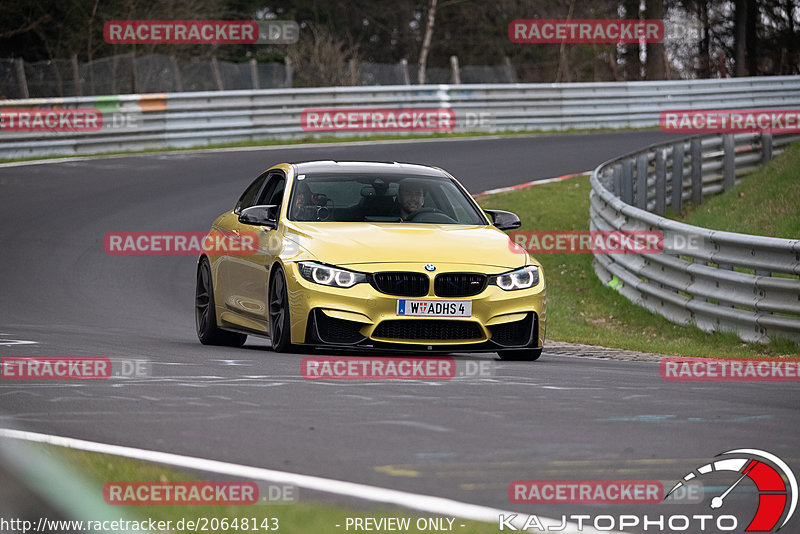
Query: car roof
[[384, 168]]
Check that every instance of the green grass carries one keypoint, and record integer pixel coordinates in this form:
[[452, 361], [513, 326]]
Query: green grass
[[333, 139], [305, 515], [765, 202], [581, 309]]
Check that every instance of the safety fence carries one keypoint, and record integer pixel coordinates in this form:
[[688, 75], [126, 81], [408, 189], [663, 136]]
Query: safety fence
[[718, 281], [160, 73], [164, 120]]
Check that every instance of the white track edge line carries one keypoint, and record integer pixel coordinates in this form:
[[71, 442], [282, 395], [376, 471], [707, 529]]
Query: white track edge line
[[427, 503]]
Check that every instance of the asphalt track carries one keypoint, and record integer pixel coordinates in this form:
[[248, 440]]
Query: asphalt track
[[559, 418]]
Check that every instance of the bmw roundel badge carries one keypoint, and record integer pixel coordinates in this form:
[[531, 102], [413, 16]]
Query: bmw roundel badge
[[430, 267]]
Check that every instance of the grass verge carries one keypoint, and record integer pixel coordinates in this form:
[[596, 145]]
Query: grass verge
[[581, 309], [305, 515], [765, 202]]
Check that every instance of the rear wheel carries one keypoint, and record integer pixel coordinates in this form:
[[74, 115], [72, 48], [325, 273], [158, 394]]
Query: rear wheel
[[523, 355], [279, 328], [205, 312]]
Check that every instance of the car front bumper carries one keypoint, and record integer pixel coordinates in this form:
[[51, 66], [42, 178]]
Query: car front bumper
[[363, 317]]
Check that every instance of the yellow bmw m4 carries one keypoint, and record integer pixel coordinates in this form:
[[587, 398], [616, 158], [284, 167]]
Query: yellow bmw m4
[[372, 256]]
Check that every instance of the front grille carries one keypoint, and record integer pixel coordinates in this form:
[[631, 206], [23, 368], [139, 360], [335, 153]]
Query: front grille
[[428, 329], [401, 284], [333, 330], [514, 334], [459, 284]]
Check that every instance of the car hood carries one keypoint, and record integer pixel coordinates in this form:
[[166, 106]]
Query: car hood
[[343, 244]]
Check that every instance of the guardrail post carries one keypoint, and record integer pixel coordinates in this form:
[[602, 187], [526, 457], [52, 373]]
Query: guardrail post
[[766, 147], [627, 181], [661, 181], [616, 180], [677, 177], [728, 161], [697, 171], [641, 181]]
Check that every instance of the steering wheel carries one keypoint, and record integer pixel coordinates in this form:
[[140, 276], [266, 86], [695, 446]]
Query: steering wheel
[[430, 215]]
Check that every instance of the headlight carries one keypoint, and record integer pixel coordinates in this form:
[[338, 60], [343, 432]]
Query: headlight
[[517, 279], [330, 276]]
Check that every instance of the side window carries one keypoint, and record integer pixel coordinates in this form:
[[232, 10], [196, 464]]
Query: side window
[[277, 194], [250, 194], [273, 190]]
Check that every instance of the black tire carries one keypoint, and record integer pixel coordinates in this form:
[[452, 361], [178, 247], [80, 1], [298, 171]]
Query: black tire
[[279, 325], [205, 312], [522, 355]]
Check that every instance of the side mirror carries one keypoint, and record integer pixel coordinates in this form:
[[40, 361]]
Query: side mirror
[[260, 216], [504, 220]]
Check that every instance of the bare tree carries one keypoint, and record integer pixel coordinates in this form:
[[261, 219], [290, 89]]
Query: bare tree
[[631, 55], [704, 45], [654, 69], [426, 42], [323, 59], [740, 38], [563, 64]]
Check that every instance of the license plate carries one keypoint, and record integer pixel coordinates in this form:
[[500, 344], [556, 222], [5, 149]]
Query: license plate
[[434, 308]]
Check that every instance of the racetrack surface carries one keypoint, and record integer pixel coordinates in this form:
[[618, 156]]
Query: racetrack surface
[[563, 417]]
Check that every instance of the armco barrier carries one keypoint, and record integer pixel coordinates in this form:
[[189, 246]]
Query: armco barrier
[[719, 281], [136, 122]]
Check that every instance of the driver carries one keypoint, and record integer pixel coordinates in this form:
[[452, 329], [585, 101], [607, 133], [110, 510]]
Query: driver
[[410, 198]]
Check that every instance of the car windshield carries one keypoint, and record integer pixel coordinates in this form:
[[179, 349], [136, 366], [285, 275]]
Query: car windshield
[[381, 198]]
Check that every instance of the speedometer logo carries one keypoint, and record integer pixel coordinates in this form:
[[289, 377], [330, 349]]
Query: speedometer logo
[[770, 475]]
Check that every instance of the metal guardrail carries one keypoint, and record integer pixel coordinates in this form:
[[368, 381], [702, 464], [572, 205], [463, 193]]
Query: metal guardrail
[[152, 121], [718, 281]]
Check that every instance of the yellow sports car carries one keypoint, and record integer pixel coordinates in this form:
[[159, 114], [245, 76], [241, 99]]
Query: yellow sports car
[[377, 256]]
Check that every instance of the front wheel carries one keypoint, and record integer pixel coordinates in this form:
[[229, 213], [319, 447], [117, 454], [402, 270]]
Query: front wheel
[[279, 328], [205, 312], [523, 355]]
